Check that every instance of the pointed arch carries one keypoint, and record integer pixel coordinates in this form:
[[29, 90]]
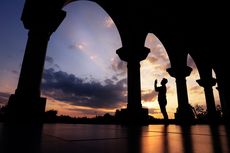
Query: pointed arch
[[87, 51], [93, 25], [154, 67], [195, 92], [215, 90]]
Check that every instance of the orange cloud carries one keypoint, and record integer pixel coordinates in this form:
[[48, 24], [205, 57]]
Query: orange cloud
[[152, 59], [148, 95], [196, 89], [64, 108]]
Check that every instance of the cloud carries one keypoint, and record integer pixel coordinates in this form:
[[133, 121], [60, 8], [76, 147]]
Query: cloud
[[15, 72], [154, 111], [90, 112], [49, 60], [162, 68], [57, 66], [78, 46], [163, 55], [148, 96], [115, 78], [196, 89], [191, 63], [72, 46], [51, 64], [65, 108], [152, 59], [108, 22], [4, 97], [119, 67], [77, 91], [157, 49]]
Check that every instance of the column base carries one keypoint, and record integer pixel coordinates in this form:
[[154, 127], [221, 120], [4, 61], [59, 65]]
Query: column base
[[226, 118], [185, 115], [133, 117], [25, 109]]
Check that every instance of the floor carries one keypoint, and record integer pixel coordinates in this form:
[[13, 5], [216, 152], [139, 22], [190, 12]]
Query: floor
[[88, 138]]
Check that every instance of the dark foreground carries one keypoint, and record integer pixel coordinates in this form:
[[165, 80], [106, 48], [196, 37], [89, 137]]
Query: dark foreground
[[92, 138]]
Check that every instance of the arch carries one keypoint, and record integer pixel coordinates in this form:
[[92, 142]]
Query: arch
[[90, 54], [107, 7], [195, 92], [29, 86], [132, 45], [216, 91], [170, 35], [221, 74], [207, 82], [204, 67], [131, 35], [154, 67], [88, 24]]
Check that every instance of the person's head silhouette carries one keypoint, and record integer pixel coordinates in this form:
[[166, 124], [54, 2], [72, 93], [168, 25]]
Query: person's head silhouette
[[164, 81]]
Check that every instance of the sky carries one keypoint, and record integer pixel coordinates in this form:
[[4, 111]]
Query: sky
[[83, 75]]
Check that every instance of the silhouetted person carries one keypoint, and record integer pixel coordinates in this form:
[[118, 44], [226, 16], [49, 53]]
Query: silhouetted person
[[162, 96]]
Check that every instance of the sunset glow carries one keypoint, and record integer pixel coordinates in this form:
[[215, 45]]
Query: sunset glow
[[84, 76]]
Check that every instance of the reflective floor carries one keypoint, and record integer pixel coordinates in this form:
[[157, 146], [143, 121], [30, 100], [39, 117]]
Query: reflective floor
[[87, 138]]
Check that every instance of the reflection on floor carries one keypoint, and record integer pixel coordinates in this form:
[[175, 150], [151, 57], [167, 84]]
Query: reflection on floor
[[86, 138]]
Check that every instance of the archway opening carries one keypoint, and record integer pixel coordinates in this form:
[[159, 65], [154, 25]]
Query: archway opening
[[154, 67], [83, 75], [195, 92], [216, 93]]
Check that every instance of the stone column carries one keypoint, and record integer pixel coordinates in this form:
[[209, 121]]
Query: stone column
[[33, 63], [26, 104], [207, 84], [134, 85], [184, 111], [134, 111]]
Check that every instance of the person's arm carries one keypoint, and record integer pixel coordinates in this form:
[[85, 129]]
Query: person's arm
[[155, 85]]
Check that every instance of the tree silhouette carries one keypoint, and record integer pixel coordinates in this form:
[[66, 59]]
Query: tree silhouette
[[50, 116], [201, 112]]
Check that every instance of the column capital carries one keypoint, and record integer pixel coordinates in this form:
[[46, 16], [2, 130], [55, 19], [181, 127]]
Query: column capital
[[48, 16], [179, 72], [206, 82], [126, 54]]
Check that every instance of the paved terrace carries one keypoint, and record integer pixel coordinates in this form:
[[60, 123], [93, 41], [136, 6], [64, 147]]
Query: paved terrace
[[88, 138]]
